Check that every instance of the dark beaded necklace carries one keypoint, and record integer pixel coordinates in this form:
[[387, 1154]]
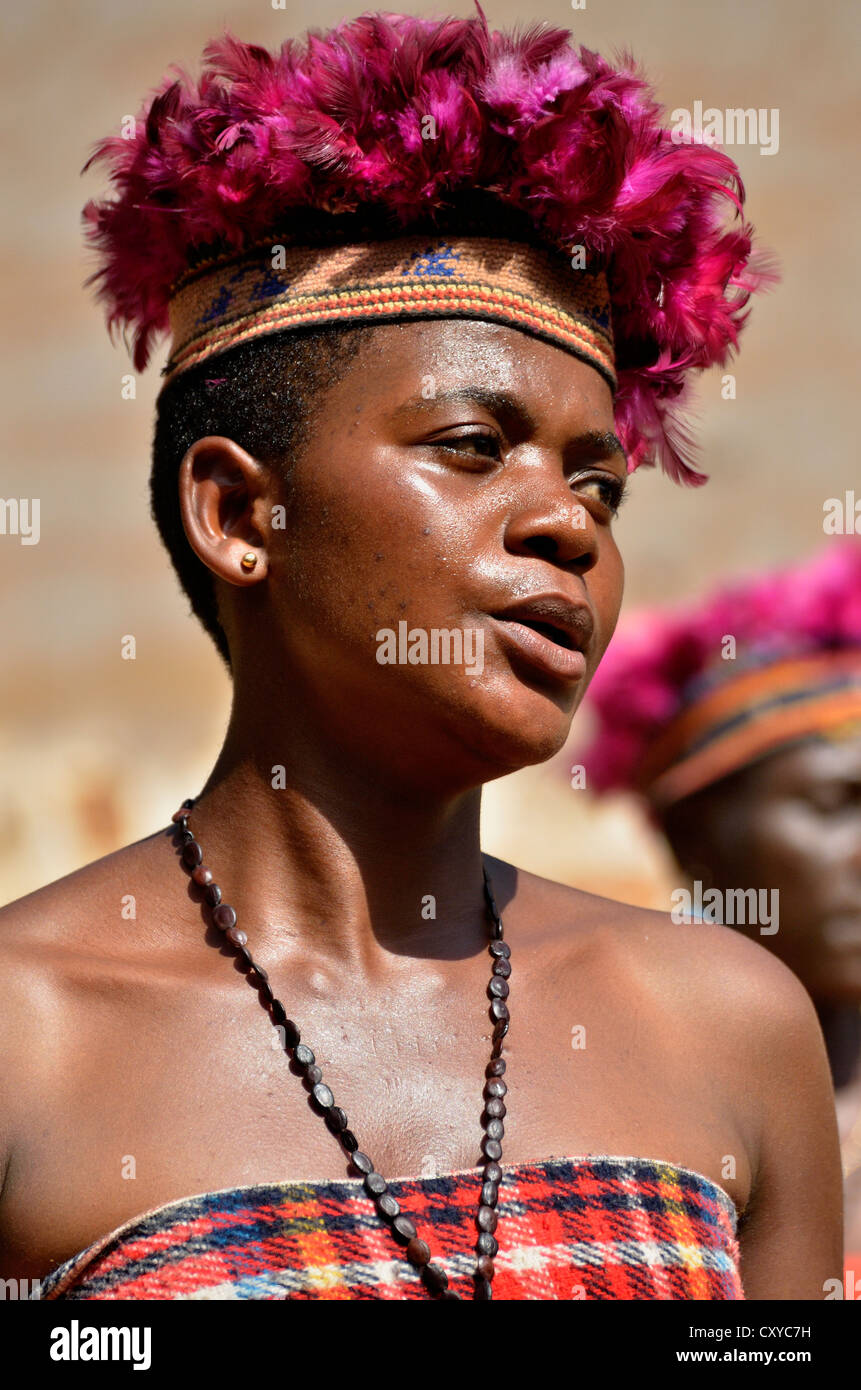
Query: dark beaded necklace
[[402, 1227]]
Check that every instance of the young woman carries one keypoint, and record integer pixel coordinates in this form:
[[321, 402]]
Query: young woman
[[433, 293], [738, 720]]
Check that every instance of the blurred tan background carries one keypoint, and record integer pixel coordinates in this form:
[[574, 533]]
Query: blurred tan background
[[96, 751]]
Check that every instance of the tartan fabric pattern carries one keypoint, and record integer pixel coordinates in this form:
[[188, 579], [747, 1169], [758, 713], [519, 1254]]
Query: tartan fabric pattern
[[600, 1227]]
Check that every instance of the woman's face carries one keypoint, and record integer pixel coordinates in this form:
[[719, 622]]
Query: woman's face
[[461, 478]]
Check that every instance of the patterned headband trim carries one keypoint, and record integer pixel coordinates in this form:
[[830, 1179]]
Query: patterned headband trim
[[750, 716], [227, 302]]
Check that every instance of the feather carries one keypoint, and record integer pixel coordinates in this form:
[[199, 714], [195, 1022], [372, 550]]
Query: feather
[[335, 123]]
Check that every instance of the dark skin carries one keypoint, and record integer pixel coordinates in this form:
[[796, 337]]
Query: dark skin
[[137, 1038], [791, 822]]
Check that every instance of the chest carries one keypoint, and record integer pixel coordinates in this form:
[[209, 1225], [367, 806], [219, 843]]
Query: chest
[[180, 1091]]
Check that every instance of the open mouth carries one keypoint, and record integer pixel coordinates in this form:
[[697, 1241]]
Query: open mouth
[[548, 630], [555, 634], [548, 633]]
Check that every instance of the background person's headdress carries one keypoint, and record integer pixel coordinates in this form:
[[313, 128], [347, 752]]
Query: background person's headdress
[[472, 165], [675, 715]]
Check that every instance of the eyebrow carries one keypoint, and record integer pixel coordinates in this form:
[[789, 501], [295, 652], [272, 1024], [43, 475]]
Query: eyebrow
[[603, 442]]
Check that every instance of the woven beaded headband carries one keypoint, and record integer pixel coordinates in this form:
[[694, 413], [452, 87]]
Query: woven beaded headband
[[749, 716], [230, 300]]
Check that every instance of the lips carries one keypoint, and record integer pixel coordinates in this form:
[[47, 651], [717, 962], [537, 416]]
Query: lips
[[549, 632]]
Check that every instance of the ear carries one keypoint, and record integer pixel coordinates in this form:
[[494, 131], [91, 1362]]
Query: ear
[[225, 503]]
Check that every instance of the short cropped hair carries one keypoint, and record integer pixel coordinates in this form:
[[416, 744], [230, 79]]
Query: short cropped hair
[[264, 396]]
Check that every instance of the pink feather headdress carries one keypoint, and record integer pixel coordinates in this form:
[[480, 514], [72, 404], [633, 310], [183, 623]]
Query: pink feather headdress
[[678, 706], [334, 124]]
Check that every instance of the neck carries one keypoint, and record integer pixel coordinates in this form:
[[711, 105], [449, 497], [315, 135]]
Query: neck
[[338, 859]]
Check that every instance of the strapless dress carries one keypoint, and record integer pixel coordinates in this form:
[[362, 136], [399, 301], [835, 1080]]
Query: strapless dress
[[594, 1227]]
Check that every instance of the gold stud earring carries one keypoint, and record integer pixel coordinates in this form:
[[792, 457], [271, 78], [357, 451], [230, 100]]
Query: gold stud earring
[[248, 561]]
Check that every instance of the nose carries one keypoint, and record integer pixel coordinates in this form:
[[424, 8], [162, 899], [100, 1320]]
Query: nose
[[557, 527]]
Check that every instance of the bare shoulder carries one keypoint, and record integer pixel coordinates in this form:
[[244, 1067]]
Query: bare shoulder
[[61, 947], [62, 909], [726, 997], [65, 934], [708, 966], [62, 940]]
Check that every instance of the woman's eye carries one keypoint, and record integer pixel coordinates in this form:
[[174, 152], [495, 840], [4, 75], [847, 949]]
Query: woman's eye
[[829, 801], [604, 488], [479, 445]]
